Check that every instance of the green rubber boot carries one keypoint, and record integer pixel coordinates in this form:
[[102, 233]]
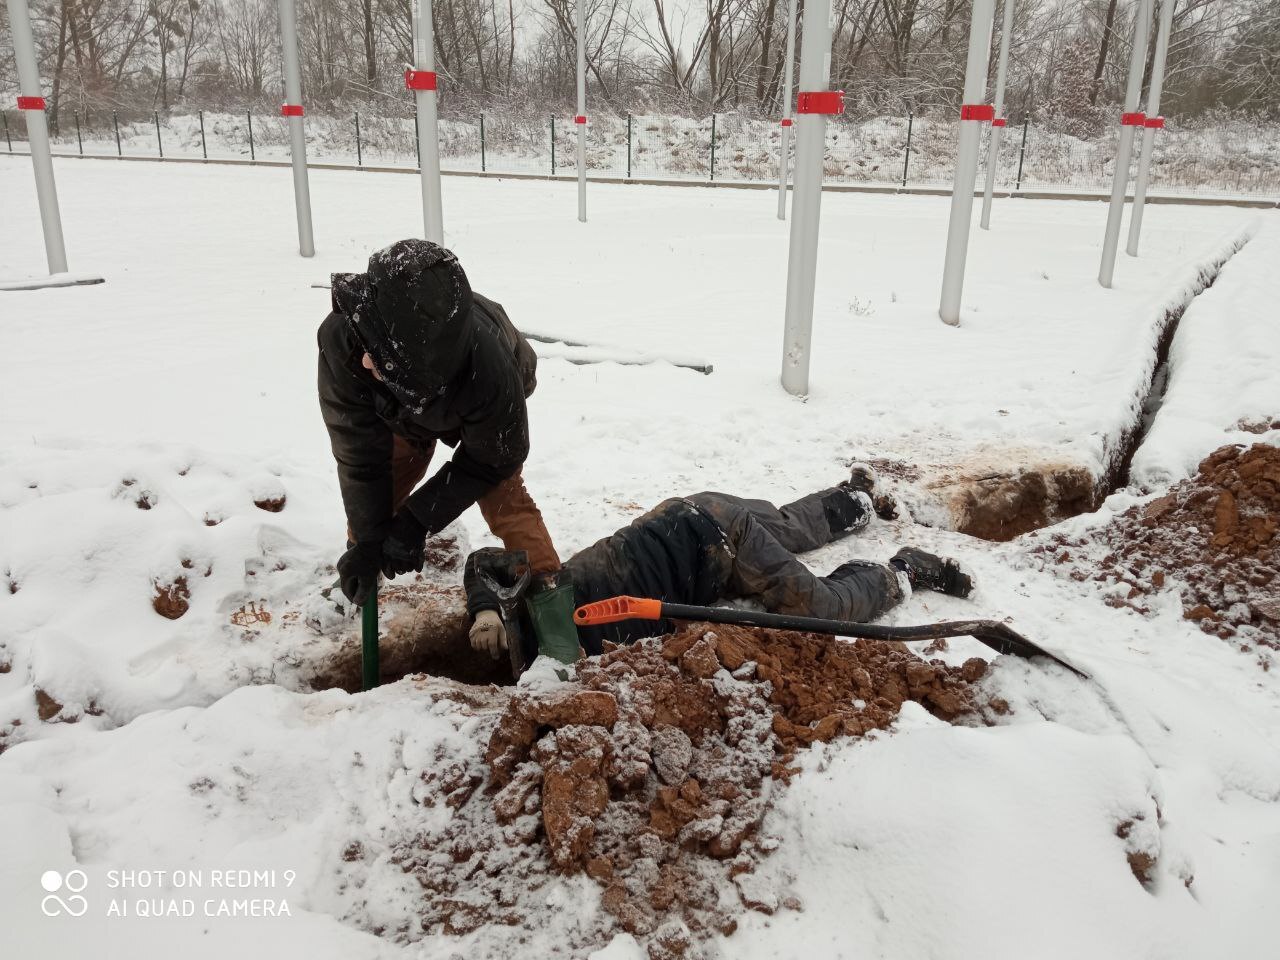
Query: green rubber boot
[[551, 611]]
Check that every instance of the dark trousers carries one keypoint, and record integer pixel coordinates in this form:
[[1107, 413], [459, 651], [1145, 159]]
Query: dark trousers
[[764, 540]]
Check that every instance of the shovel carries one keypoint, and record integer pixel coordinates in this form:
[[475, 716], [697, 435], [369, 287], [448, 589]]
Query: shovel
[[999, 637], [369, 640]]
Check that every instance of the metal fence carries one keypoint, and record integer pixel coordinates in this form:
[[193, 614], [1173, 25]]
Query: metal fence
[[1230, 160]]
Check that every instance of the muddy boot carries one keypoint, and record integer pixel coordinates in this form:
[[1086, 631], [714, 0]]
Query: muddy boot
[[863, 478], [551, 610], [929, 572]]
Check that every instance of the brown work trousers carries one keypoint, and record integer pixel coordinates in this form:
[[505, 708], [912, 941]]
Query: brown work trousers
[[508, 509]]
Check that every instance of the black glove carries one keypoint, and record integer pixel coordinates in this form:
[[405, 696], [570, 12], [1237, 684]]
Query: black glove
[[402, 550], [358, 571]]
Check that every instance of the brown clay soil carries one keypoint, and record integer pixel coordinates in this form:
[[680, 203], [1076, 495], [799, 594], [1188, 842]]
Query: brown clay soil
[[651, 775], [1212, 538]]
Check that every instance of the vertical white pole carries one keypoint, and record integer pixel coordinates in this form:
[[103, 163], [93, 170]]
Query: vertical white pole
[[997, 125], [424, 60], [24, 54], [297, 133], [788, 111], [1120, 183], [581, 119], [811, 141], [1149, 130], [975, 87]]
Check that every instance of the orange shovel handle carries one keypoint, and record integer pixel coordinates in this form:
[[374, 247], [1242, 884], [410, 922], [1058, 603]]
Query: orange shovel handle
[[615, 609]]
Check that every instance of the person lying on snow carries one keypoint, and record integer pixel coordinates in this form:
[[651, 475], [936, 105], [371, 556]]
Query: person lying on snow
[[409, 356], [710, 547]]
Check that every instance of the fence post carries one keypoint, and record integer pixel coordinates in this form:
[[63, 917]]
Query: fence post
[[417, 144], [115, 119], [252, 156], [1022, 151], [79, 142], [906, 154], [204, 150], [159, 142], [553, 145], [482, 166], [359, 154], [628, 146], [5, 117], [713, 147]]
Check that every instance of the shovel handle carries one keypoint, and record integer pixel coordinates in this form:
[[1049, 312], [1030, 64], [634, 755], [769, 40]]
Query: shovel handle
[[616, 609], [369, 640]]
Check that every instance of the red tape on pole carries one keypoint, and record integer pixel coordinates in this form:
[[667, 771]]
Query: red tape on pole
[[999, 122], [1155, 123], [291, 110], [786, 121], [31, 103], [419, 80], [820, 101], [977, 111], [579, 119], [1133, 119]]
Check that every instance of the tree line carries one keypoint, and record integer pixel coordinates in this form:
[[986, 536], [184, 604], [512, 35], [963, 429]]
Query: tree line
[[1068, 60]]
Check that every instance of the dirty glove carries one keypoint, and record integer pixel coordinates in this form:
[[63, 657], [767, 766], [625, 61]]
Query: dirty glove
[[489, 633], [402, 550], [358, 571]]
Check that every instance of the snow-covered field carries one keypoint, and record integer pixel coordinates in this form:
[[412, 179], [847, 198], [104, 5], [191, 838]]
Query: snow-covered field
[[187, 379]]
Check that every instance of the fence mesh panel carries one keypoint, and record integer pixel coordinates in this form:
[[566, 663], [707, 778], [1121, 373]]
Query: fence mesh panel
[[1227, 159]]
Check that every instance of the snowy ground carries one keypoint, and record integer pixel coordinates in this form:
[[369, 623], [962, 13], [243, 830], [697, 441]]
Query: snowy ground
[[190, 373]]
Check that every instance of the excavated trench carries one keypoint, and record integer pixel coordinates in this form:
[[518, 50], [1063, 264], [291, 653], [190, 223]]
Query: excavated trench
[[986, 498]]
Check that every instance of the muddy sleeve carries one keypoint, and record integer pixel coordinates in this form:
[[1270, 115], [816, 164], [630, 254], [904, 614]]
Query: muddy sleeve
[[361, 445], [494, 443]]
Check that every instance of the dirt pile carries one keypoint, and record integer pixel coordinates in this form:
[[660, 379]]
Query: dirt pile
[[1212, 538], [652, 776]]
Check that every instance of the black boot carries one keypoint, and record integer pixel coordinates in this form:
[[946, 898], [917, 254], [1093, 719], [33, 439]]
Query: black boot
[[929, 572], [863, 478]]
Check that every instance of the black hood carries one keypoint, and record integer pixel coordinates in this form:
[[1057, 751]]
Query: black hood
[[412, 312]]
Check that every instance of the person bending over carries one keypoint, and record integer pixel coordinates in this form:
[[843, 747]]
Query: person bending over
[[409, 356]]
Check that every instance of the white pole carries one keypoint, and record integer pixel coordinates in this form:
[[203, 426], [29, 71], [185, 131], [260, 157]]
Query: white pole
[[1120, 182], [424, 89], [297, 133], [1153, 122], [581, 119], [975, 87], [788, 111], [811, 140], [998, 124], [31, 101]]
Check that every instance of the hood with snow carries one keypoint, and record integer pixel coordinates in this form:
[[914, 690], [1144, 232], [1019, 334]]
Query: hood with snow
[[411, 310]]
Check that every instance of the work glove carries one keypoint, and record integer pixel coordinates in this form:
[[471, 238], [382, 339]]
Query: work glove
[[489, 633], [402, 551], [358, 571]]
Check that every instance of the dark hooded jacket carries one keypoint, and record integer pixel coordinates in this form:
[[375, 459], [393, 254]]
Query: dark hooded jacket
[[455, 370]]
